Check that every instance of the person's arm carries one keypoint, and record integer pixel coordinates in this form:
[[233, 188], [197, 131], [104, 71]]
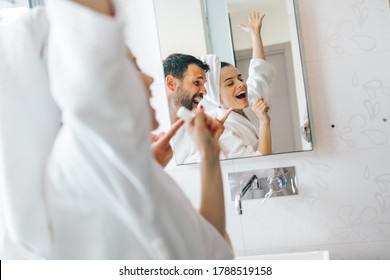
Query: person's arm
[[260, 72], [212, 206], [255, 21], [265, 144]]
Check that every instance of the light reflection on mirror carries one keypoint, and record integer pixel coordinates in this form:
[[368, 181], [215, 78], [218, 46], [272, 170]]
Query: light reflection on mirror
[[194, 27]]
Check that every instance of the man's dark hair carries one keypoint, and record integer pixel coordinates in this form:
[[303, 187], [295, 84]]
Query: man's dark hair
[[176, 64]]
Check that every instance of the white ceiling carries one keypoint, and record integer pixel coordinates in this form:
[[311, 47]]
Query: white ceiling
[[244, 5]]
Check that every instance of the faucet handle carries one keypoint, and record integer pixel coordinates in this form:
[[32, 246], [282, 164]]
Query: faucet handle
[[276, 183], [256, 184]]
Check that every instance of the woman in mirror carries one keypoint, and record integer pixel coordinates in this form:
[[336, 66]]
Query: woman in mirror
[[247, 130]]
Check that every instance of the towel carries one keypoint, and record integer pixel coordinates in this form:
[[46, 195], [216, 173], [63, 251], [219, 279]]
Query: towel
[[211, 100], [29, 123], [107, 198]]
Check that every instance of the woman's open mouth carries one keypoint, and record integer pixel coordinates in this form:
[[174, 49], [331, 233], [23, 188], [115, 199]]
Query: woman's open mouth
[[241, 95]]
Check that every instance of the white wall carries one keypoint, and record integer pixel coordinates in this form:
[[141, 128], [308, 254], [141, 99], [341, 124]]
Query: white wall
[[188, 23], [275, 25], [142, 38], [344, 184]]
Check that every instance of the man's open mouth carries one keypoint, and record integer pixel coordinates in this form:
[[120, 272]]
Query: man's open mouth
[[197, 98]]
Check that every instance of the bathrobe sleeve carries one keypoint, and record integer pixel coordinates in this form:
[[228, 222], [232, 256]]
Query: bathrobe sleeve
[[29, 123], [212, 99], [260, 75], [259, 81], [107, 199]]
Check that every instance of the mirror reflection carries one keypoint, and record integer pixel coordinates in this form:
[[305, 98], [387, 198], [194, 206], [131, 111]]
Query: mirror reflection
[[240, 61]]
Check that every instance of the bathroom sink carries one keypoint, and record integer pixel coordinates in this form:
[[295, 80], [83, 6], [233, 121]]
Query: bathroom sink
[[312, 255]]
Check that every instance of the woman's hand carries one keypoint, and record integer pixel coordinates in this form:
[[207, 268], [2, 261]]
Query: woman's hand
[[255, 21], [161, 148], [221, 121], [260, 108], [204, 130]]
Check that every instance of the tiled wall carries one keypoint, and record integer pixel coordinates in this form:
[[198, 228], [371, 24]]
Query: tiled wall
[[344, 184]]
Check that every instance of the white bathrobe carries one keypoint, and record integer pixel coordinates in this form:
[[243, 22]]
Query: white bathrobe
[[185, 149], [240, 137], [29, 122], [104, 196]]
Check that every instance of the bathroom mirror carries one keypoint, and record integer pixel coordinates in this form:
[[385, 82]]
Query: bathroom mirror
[[200, 27]]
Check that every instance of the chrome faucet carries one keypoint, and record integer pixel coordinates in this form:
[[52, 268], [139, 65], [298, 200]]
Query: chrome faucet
[[243, 191], [266, 183]]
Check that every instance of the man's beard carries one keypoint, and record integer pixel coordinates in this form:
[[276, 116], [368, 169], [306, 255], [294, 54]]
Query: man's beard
[[182, 98]]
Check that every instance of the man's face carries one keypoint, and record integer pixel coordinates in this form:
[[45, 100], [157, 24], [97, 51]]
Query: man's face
[[190, 90]]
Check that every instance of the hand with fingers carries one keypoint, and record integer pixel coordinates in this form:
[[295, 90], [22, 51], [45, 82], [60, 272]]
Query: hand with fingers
[[161, 148], [221, 121], [255, 21], [203, 129], [260, 108]]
